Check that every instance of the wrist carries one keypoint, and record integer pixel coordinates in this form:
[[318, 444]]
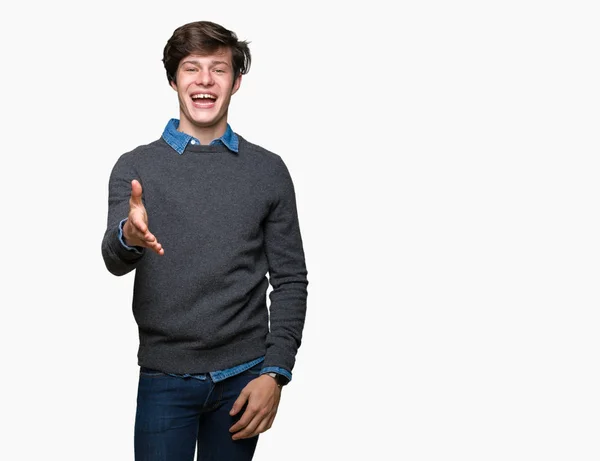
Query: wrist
[[280, 380]]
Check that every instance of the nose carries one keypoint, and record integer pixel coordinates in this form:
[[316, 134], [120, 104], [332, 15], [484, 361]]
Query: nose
[[204, 77]]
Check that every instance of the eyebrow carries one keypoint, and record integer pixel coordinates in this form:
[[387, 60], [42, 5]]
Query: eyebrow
[[213, 63]]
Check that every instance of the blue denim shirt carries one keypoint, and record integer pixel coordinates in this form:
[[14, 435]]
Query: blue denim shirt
[[179, 141]]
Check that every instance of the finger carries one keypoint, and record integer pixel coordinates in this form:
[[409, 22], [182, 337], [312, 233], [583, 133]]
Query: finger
[[248, 415], [264, 426], [136, 192], [152, 242], [251, 430], [140, 225], [157, 247], [270, 421], [239, 402]]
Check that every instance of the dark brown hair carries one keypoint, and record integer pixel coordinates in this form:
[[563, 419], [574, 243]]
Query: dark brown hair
[[202, 38]]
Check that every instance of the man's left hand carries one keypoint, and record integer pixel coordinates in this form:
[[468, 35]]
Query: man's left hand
[[262, 396]]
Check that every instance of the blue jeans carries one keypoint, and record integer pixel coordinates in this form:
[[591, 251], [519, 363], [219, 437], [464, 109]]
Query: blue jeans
[[176, 413]]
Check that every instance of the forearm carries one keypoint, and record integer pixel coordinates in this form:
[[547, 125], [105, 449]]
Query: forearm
[[119, 258], [287, 318]]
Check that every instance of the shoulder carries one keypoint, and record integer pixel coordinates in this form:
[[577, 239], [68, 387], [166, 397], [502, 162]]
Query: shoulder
[[144, 150], [261, 157], [270, 165], [133, 161], [257, 151], [141, 153]]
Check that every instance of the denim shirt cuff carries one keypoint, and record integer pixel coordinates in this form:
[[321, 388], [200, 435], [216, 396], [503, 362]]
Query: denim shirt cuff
[[278, 370]]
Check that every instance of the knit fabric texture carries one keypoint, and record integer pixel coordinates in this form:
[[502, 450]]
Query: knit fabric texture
[[229, 225]]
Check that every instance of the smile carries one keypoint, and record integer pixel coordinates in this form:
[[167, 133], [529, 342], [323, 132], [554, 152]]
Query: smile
[[203, 100]]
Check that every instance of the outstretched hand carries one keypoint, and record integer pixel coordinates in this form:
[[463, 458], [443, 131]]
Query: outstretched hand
[[261, 398], [135, 229]]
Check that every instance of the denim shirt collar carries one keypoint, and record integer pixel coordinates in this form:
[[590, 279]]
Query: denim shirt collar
[[179, 141]]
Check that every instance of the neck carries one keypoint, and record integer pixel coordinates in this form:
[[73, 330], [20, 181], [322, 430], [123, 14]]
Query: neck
[[204, 134]]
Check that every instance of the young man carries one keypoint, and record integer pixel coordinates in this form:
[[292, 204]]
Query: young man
[[203, 215]]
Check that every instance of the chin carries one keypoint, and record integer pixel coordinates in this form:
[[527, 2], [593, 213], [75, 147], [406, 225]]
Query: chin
[[206, 117]]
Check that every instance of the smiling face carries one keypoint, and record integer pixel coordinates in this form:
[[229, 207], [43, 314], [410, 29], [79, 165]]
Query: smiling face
[[204, 86]]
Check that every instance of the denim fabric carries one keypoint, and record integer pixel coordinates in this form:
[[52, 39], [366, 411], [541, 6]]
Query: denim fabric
[[216, 376], [176, 414], [179, 141], [220, 375], [278, 370]]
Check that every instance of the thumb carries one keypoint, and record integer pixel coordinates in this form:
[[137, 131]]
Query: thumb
[[136, 192]]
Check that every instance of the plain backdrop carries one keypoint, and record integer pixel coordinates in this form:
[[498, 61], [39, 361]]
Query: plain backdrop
[[445, 158]]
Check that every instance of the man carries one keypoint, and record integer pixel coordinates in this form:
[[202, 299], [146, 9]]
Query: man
[[203, 215]]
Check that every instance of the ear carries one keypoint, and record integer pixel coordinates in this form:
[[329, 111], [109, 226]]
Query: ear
[[236, 84], [173, 85]]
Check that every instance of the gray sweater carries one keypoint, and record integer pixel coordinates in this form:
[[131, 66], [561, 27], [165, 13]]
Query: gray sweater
[[225, 220]]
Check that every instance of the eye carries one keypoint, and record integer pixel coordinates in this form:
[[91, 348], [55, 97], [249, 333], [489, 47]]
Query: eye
[[219, 71], [190, 69]]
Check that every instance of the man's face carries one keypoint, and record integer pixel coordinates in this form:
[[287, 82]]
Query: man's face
[[204, 88]]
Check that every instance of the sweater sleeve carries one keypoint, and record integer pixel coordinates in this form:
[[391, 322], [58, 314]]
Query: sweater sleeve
[[287, 275], [118, 259]]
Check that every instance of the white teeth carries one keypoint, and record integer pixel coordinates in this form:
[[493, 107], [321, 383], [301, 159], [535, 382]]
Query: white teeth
[[203, 96]]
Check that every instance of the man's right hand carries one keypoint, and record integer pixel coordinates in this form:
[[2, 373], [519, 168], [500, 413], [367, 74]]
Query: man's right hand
[[135, 229]]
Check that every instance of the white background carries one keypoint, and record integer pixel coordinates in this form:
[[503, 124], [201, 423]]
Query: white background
[[445, 157]]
